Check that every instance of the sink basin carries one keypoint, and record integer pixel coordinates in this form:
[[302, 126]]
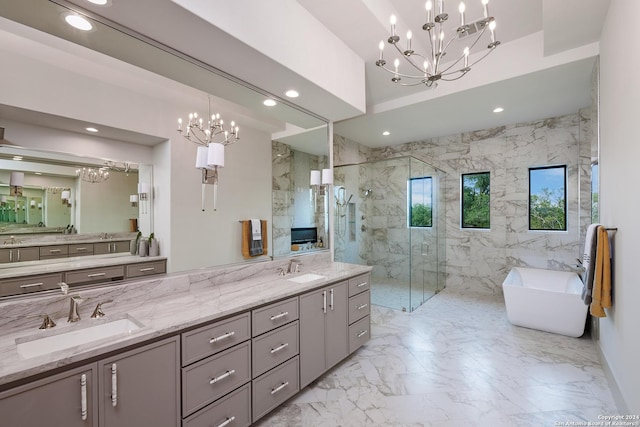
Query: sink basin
[[309, 277], [38, 345]]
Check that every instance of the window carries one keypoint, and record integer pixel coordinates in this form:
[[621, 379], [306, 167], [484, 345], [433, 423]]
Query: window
[[548, 198], [420, 202], [475, 200]]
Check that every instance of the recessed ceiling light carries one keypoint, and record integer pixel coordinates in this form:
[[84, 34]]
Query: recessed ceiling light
[[92, 129], [99, 2], [498, 110], [17, 158], [269, 102], [292, 93], [386, 133], [38, 173], [77, 21]]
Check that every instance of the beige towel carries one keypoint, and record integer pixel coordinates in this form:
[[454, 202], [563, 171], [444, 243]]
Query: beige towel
[[602, 281]]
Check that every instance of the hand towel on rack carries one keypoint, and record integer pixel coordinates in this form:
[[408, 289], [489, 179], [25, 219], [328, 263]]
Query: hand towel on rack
[[589, 262], [256, 229], [602, 278], [247, 239]]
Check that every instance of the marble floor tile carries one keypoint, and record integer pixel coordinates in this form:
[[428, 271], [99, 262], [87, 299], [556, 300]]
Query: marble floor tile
[[455, 361]]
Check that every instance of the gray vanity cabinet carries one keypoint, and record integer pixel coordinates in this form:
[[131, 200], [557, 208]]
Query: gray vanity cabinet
[[66, 399], [323, 330], [141, 387], [102, 248], [19, 254]]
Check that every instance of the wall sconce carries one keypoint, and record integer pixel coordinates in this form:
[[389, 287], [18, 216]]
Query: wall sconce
[[32, 204], [321, 180], [16, 181], [143, 196], [208, 160], [133, 199], [3, 201], [39, 206], [66, 197]]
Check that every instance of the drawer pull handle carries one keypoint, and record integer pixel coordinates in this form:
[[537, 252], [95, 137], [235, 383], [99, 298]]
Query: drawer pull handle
[[31, 285], [221, 337], [83, 396], [114, 385], [360, 307], [280, 347], [227, 421], [279, 316], [142, 270], [54, 251], [81, 249], [362, 284], [280, 387], [96, 274], [221, 377], [362, 333]]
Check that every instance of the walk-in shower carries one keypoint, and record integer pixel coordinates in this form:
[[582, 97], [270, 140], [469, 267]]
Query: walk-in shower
[[390, 214]]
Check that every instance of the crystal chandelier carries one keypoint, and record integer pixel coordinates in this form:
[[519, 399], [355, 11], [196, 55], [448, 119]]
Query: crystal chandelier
[[93, 175], [432, 69], [211, 138]]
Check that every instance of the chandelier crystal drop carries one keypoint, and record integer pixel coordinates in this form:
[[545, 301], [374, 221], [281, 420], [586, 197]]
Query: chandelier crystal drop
[[429, 68], [93, 175]]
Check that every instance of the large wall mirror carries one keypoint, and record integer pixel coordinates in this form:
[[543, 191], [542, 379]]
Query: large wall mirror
[[148, 107]]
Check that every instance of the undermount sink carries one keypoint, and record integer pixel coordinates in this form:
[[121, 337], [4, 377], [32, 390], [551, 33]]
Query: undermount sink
[[38, 345], [309, 277]]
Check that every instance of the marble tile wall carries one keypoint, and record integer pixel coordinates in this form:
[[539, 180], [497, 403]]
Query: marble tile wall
[[480, 259]]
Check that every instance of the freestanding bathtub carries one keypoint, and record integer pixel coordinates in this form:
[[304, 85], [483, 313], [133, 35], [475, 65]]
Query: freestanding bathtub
[[546, 300]]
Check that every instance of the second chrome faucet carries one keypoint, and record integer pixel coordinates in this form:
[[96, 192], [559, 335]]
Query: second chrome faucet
[[74, 303]]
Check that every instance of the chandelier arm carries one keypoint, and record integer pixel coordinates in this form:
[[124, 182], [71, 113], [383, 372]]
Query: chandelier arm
[[409, 76], [413, 64], [472, 64], [408, 59]]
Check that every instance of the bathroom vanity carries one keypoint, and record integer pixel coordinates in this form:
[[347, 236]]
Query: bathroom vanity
[[214, 348]]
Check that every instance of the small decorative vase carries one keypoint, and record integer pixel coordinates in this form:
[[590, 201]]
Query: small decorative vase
[[154, 248], [133, 247], [143, 247]]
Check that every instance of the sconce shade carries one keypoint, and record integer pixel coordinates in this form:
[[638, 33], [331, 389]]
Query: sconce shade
[[39, 205], [215, 155], [315, 177], [16, 179], [3, 199], [143, 188], [327, 176], [32, 203], [202, 158], [66, 195], [133, 198]]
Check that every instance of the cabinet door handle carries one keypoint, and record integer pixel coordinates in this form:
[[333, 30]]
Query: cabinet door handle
[[31, 285], [331, 303], [324, 302], [360, 307], [18, 254], [226, 422], [114, 385], [83, 396], [362, 333], [280, 387], [221, 337], [280, 347], [11, 255], [142, 270], [359, 285], [221, 377], [278, 316], [96, 274]]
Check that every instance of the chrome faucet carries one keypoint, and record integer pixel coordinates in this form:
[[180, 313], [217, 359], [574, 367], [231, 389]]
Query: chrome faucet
[[74, 302], [97, 312], [294, 266]]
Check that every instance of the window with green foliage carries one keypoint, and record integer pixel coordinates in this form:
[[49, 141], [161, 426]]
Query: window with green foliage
[[420, 202], [475, 200], [548, 198]]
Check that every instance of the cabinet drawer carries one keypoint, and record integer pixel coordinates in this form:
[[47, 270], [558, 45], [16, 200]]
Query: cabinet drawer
[[208, 380], [359, 333], [274, 387], [146, 268], [359, 284], [359, 306], [273, 348], [211, 339], [19, 254], [81, 249], [94, 274], [29, 284], [233, 409], [54, 251], [270, 317]]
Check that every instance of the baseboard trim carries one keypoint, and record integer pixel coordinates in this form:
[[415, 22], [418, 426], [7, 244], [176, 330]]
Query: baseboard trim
[[618, 398]]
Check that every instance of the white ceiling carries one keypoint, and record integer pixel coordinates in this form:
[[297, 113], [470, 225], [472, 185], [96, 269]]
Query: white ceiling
[[541, 69]]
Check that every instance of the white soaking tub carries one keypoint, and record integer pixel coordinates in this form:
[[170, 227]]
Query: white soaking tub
[[546, 300]]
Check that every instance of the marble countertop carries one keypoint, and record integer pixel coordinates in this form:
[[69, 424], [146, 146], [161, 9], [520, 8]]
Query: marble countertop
[[160, 316], [30, 268]]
